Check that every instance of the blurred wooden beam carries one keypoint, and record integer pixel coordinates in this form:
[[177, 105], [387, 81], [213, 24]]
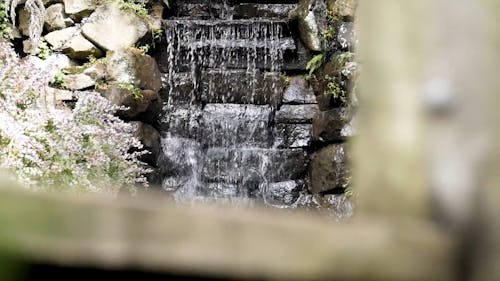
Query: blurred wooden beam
[[213, 242], [389, 157], [488, 262]]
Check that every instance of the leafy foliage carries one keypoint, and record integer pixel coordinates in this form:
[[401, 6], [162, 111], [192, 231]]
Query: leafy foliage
[[87, 149], [5, 28], [315, 63]]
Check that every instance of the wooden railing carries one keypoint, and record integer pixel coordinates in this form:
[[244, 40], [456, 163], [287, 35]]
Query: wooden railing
[[426, 170]]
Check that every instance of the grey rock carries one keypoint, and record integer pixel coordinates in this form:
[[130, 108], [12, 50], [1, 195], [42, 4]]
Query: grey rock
[[172, 184], [255, 10], [336, 206], [346, 36], [53, 64], [56, 18], [129, 67], [333, 125], [123, 96], [112, 28], [79, 8], [150, 138], [24, 22], [283, 194], [299, 92], [311, 19], [221, 190], [71, 41], [343, 8], [295, 114], [329, 169], [80, 81], [293, 135]]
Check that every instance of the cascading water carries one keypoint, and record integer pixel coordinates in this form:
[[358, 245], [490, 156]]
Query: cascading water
[[222, 133]]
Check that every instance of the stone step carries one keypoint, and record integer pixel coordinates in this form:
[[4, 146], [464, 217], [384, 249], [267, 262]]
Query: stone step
[[234, 125], [192, 30], [233, 2], [237, 57], [253, 166], [241, 87], [259, 10], [223, 86], [238, 11]]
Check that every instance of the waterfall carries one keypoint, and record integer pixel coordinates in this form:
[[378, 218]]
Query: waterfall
[[227, 132]]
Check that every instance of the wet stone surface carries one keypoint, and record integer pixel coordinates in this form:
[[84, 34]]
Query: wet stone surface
[[240, 87], [297, 114], [283, 194], [250, 164], [299, 92], [329, 169], [293, 135], [229, 125]]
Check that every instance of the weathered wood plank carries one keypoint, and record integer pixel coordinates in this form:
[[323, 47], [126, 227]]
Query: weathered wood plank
[[218, 242]]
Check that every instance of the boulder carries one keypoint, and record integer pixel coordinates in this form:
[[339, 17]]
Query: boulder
[[128, 72], [56, 98], [150, 138], [283, 194], [346, 36], [344, 9], [336, 206], [72, 43], [53, 64], [113, 28], [333, 125], [296, 114], [77, 82], [56, 18], [126, 95], [132, 67], [79, 8], [329, 169], [298, 92], [24, 22], [311, 20]]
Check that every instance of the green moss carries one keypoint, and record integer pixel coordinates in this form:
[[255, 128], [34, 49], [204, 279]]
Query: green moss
[[135, 7], [45, 51], [50, 126], [157, 33], [285, 80], [4, 141], [335, 89], [134, 90], [315, 63], [59, 81]]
